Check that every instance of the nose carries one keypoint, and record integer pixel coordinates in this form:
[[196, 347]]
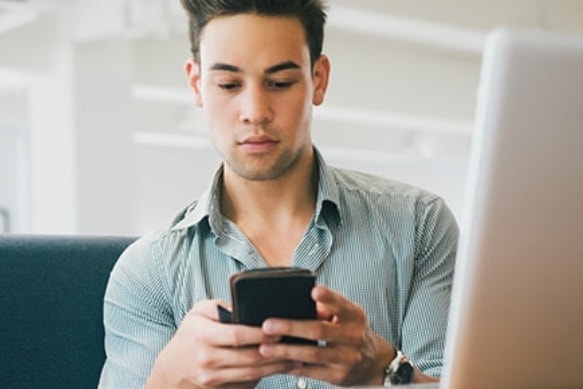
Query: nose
[[255, 107]]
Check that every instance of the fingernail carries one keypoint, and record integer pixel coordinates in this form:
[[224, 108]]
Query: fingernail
[[269, 326], [266, 350]]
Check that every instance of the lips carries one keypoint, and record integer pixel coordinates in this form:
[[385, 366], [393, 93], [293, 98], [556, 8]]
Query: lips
[[258, 143], [257, 140]]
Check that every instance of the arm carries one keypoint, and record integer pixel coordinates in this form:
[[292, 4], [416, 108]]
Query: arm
[[138, 318], [205, 353], [354, 354], [144, 346], [425, 323]]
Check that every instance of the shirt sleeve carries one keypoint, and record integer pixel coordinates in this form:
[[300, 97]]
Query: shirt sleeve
[[425, 323], [138, 317]]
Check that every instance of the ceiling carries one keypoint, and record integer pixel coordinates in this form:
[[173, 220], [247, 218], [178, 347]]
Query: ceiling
[[432, 44], [457, 25]]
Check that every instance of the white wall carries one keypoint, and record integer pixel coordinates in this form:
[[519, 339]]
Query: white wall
[[99, 135], [13, 188]]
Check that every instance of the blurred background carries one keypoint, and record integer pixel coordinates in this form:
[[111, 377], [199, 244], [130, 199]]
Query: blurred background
[[99, 133]]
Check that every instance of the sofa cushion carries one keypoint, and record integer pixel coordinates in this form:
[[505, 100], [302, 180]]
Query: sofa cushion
[[51, 301]]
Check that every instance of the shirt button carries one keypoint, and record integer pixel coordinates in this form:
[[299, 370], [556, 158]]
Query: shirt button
[[314, 248], [302, 384]]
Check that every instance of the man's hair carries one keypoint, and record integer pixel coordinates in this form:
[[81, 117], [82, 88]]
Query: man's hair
[[311, 13]]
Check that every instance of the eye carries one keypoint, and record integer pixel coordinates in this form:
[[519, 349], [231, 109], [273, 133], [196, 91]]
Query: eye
[[228, 86], [278, 85]]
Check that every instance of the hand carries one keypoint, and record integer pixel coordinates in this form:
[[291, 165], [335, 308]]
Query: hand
[[353, 355], [205, 353]]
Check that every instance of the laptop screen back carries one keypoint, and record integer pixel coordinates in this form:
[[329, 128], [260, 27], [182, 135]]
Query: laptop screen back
[[517, 306]]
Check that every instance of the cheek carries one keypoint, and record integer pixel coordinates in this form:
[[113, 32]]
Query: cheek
[[303, 114], [296, 109], [215, 123], [222, 120], [219, 112]]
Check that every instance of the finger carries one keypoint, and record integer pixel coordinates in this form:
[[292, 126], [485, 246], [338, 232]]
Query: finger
[[336, 306], [307, 329], [332, 364], [335, 332], [208, 308], [240, 376], [332, 374], [236, 335], [230, 357], [201, 326], [311, 355]]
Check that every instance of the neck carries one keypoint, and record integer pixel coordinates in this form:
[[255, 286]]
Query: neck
[[266, 202]]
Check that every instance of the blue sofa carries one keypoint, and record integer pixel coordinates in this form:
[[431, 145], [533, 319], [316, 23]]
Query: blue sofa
[[51, 302]]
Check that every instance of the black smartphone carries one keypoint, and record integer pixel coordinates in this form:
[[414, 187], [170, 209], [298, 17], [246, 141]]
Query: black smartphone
[[279, 292]]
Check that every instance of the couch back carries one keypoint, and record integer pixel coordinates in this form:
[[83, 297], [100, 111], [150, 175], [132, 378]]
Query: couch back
[[51, 309]]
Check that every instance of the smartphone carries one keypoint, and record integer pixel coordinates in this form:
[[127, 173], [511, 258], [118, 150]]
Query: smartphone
[[278, 292]]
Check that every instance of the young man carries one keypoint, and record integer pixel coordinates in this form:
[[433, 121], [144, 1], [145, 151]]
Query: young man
[[383, 252]]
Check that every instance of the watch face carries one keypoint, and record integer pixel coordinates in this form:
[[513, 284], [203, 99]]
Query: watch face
[[404, 374]]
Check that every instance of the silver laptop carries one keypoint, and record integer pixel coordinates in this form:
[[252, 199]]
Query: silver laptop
[[517, 306]]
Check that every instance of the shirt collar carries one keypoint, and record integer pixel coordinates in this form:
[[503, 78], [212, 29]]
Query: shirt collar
[[328, 199], [208, 205]]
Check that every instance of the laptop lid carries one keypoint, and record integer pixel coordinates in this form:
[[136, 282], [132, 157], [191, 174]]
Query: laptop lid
[[517, 304]]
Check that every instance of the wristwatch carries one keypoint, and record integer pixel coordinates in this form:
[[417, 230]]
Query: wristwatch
[[398, 372]]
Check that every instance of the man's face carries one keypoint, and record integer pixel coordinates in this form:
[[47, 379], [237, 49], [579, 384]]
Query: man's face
[[256, 85]]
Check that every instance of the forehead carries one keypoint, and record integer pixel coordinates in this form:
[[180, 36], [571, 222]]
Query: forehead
[[250, 39]]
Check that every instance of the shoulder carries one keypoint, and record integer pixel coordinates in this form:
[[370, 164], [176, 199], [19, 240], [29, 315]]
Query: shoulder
[[148, 257], [369, 198], [376, 189]]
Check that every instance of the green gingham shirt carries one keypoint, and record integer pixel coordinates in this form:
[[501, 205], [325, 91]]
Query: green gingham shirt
[[387, 246]]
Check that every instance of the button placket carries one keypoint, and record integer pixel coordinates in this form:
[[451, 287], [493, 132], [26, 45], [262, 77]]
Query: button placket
[[302, 384]]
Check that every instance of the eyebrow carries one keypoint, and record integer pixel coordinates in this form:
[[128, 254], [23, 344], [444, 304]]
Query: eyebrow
[[287, 65]]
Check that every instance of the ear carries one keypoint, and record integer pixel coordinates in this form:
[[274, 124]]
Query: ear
[[192, 71], [320, 77]]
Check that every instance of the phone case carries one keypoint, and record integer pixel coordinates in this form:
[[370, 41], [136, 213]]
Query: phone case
[[283, 292]]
